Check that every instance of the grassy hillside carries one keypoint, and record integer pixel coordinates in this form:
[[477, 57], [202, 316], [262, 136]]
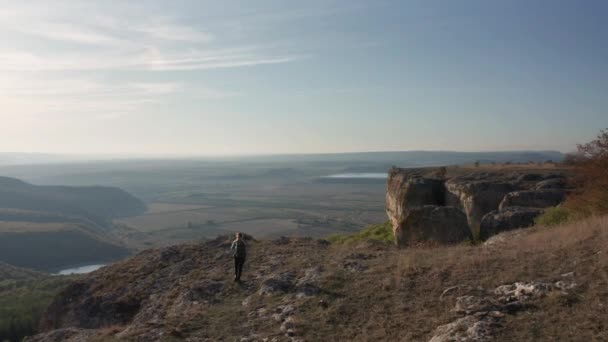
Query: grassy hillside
[[10, 272], [362, 291]]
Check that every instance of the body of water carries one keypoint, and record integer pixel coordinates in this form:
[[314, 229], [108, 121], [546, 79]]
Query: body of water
[[81, 269], [359, 175]]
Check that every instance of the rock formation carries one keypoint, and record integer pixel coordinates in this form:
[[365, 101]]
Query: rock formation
[[552, 183], [533, 199], [507, 219], [476, 197], [432, 223], [491, 202]]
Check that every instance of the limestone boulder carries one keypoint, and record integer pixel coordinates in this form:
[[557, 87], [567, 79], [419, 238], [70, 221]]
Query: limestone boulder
[[533, 198], [405, 191], [553, 183], [476, 197], [432, 223], [508, 219]]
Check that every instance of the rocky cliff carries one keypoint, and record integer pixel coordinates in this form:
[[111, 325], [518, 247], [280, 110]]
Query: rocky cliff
[[490, 202]]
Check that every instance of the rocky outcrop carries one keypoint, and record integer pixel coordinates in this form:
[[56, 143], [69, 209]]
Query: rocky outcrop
[[406, 192], [483, 197], [508, 219], [552, 183], [476, 197], [432, 223], [533, 198]]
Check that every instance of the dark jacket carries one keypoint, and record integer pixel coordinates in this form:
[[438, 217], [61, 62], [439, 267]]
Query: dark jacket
[[240, 249]]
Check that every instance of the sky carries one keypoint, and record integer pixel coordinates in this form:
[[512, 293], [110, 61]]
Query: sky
[[264, 77]]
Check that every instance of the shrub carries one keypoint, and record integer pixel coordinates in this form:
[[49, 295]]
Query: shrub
[[592, 162], [377, 232], [22, 304], [554, 216]]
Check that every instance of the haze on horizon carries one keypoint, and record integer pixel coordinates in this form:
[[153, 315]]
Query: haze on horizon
[[274, 77]]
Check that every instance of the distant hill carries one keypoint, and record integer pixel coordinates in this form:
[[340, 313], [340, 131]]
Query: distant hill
[[96, 203], [52, 247], [50, 227]]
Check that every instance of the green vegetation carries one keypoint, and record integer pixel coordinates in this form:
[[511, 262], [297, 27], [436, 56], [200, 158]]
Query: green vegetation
[[23, 302], [377, 232], [554, 216]]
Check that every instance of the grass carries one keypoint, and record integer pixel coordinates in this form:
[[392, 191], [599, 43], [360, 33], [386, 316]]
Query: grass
[[554, 216], [377, 232]]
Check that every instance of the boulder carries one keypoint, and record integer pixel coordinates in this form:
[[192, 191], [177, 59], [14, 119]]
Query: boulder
[[476, 197], [553, 183], [533, 198], [508, 219], [432, 223], [529, 177], [405, 191]]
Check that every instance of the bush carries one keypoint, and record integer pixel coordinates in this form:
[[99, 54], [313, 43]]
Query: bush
[[377, 232], [22, 304], [592, 163], [554, 216]]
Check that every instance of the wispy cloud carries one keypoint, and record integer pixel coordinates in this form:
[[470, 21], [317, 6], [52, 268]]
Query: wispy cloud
[[70, 59], [112, 40]]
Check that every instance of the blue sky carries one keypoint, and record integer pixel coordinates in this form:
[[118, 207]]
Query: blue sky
[[249, 77]]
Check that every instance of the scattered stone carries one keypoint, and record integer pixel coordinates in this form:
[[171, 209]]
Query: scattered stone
[[280, 283], [284, 311], [246, 301], [288, 324], [484, 310], [468, 328], [354, 266]]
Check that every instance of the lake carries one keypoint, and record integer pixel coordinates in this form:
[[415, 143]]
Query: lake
[[81, 269]]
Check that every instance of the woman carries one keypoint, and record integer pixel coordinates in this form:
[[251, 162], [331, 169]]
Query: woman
[[240, 253]]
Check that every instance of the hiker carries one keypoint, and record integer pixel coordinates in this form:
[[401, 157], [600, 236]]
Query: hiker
[[240, 253]]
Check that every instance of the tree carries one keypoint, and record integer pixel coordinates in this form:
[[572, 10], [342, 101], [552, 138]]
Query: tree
[[591, 160]]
